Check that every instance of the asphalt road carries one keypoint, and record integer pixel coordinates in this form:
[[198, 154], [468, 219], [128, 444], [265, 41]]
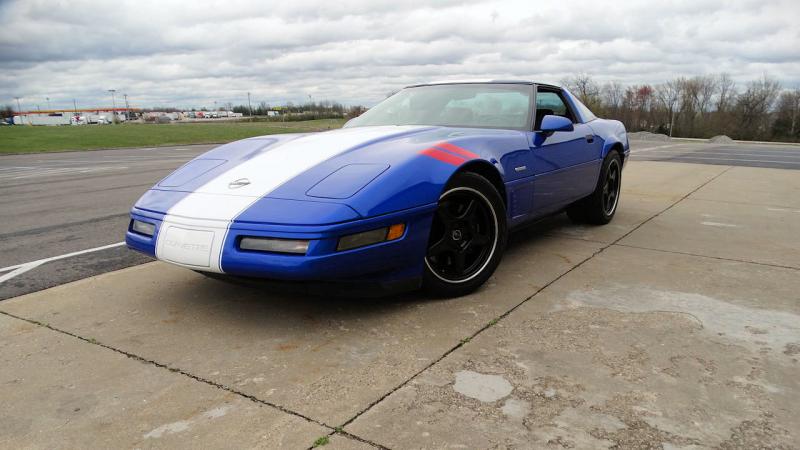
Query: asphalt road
[[59, 203], [56, 204], [730, 154]]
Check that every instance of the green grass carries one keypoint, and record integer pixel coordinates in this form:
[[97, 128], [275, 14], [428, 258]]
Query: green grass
[[324, 440], [29, 139]]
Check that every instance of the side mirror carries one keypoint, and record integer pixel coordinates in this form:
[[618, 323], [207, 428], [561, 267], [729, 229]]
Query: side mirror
[[556, 123]]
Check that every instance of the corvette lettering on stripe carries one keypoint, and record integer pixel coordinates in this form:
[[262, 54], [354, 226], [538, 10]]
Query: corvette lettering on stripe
[[449, 153]]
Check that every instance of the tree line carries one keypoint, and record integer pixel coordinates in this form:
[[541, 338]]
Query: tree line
[[700, 107], [302, 111]]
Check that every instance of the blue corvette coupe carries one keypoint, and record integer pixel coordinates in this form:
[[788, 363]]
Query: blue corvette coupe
[[419, 191]]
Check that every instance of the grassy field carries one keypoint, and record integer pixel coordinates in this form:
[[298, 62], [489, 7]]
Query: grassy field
[[28, 139]]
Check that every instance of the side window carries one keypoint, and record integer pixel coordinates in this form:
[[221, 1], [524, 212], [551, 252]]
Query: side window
[[549, 103]]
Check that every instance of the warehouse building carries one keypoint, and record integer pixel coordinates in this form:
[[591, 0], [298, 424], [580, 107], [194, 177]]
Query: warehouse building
[[73, 116]]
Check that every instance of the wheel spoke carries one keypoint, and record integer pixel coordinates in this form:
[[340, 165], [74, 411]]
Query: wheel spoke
[[439, 247], [459, 262], [445, 214], [469, 210]]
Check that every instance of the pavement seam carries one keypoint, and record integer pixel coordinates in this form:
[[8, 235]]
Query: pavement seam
[[340, 432], [253, 398], [634, 229], [494, 321], [92, 341], [720, 258], [339, 429]]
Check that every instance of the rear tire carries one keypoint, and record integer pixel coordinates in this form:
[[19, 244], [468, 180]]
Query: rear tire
[[599, 207], [467, 239]]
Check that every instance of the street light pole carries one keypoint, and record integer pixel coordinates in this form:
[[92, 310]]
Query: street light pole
[[19, 110], [127, 107], [113, 107], [249, 106]]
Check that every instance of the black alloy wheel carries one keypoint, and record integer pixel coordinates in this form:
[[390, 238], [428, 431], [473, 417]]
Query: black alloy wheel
[[599, 207], [611, 187], [467, 236]]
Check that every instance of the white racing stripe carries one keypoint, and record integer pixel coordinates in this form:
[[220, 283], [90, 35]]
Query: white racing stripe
[[198, 224]]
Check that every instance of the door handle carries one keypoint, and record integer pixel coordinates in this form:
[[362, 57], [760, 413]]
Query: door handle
[[589, 138]]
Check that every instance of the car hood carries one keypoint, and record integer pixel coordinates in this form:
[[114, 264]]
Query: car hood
[[329, 172]]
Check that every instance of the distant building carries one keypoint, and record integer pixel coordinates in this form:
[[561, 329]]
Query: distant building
[[72, 116]]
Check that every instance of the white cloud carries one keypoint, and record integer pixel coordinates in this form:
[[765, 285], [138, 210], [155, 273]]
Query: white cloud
[[195, 53]]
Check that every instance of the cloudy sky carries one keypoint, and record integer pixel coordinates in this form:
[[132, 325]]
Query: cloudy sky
[[193, 53]]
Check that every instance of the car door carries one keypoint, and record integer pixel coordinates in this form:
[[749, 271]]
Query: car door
[[565, 163]]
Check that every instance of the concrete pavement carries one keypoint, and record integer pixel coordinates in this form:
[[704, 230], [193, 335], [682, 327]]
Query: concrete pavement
[[662, 329], [56, 204]]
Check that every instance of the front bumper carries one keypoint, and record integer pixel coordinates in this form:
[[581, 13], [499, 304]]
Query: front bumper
[[399, 261]]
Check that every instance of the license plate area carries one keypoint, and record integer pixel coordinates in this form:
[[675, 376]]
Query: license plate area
[[187, 246]]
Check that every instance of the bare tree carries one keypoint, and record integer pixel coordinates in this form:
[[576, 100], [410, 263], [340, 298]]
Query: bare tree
[[706, 90], [727, 92], [613, 95], [7, 111], [689, 94], [753, 107], [668, 95], [787, 121], [585, 88]]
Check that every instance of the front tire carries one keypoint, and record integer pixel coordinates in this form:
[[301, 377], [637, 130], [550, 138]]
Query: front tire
[[468, 237], [599, 207]]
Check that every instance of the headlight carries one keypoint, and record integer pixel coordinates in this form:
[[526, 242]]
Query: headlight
[[272, 245], [145, 228], [370, 237]]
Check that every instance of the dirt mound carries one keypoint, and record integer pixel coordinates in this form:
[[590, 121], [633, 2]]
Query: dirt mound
[[721, 139], [648, 136]]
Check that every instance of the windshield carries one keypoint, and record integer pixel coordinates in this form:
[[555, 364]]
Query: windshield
[[506, 106]]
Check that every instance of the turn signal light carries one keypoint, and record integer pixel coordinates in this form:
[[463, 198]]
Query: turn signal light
[[371, 237], [396, 231]]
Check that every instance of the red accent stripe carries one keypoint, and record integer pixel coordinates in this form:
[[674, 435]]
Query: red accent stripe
[[443, 156], [456, 149]]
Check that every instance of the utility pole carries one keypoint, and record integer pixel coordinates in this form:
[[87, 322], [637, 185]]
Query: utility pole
[[48, 103], [19, 111], [249, 106], [671, 121], [113, 106], [127, 107]]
